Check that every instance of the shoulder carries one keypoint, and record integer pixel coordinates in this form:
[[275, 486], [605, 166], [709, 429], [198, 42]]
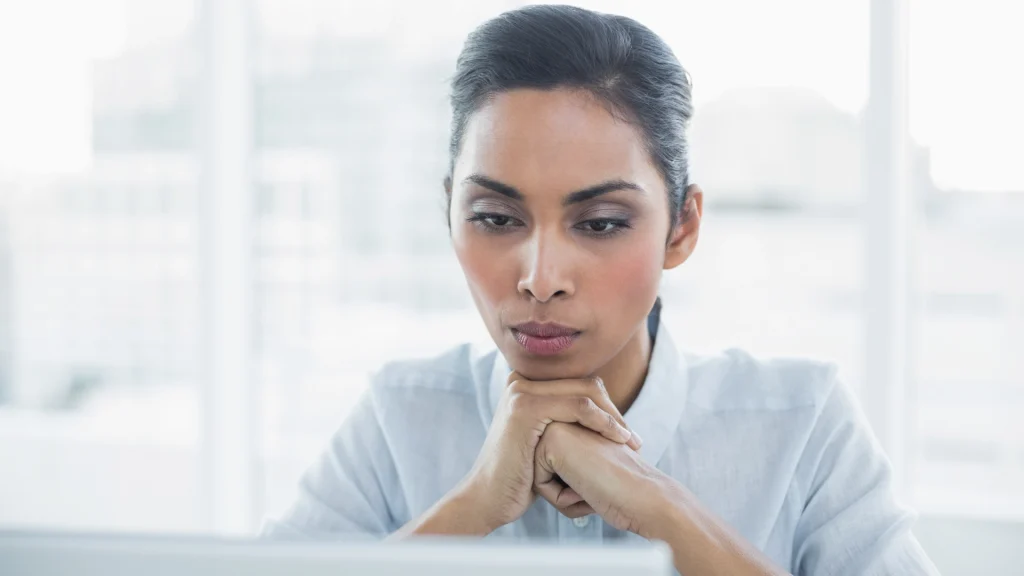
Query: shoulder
[[737, 380], [460, 371]]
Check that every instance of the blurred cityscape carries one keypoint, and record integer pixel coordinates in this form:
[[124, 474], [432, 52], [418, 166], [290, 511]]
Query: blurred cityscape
[[98, 271]]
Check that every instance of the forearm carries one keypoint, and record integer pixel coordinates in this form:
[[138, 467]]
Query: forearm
[[702, 544], [457, 514]]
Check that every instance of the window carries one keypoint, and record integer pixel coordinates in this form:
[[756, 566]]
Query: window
[[172, 358], [968, 330], [98, 287]]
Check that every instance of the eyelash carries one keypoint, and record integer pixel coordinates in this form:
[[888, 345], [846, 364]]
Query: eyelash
[[483, 221], [619, 226]]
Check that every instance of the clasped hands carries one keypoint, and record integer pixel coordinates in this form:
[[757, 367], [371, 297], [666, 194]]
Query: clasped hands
[[566, 442]]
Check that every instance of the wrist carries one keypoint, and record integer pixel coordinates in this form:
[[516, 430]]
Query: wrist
[[468, 501], [457, 514], [700, 542], [668, 511]]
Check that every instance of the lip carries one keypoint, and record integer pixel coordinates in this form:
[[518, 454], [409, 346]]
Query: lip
[[545, 339]]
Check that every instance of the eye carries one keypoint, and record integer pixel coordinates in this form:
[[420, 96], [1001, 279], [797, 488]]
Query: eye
[[494, 222], [602, 227], [497, 220]]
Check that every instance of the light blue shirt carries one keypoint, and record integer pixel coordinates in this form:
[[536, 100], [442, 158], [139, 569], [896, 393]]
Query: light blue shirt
[[777, 449]]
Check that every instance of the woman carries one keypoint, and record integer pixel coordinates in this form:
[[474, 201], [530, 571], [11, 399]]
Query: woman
[[568, 194]]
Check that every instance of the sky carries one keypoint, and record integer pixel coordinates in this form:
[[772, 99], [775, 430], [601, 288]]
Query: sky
[[964, 97]]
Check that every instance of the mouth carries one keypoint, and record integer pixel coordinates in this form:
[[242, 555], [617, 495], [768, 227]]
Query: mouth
[[545, 339]]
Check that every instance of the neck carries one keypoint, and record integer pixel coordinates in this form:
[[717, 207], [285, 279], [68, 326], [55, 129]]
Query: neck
[[624, 375]]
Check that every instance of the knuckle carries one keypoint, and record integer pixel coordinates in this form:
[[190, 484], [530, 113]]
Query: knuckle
[[519, 402], [584, 405], [554, 431], [516, 387], [610, 422]]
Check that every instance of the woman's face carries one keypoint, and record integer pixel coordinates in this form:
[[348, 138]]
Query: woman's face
[[561, 224]]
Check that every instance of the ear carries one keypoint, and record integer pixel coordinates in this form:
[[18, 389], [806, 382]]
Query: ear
[[683, 239]]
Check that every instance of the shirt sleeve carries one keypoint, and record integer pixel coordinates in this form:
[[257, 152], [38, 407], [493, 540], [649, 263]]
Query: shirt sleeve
[[851, 523], [346, 491]]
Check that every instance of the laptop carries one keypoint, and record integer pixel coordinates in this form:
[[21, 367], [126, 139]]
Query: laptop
[[58, 554]]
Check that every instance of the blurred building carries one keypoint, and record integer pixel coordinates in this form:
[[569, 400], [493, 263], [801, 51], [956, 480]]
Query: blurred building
[[325, 95], [370, 113], [317, 98], [785, 148], [103, 265], [103, 279], [6, 308]]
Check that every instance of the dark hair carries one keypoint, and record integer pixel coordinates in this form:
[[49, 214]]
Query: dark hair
[[617, 59]]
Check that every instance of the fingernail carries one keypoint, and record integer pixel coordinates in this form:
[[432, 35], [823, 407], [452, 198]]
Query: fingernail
[[639, 440]]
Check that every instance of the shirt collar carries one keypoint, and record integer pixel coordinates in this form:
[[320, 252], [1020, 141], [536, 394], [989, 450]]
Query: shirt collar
[[657, 410]]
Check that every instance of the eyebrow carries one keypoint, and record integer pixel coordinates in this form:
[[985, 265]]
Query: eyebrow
[[573, 198]]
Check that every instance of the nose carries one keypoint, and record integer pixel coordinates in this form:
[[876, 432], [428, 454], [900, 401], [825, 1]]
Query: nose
[[547, 267]]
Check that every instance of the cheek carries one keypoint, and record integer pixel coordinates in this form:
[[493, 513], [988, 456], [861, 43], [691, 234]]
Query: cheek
[[630, 279], [486, 269]]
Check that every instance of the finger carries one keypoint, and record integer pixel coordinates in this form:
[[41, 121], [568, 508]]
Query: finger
[[557, 494], [536, 413], [550, 487], [583, 411], [578, 510], [606, 404], [568, 497], [545, 482], [592, 388]]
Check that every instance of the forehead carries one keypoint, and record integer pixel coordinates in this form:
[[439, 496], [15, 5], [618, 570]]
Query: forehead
[[557, 140]]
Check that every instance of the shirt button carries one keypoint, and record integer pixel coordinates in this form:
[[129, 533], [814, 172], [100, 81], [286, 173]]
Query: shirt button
[[581, 522]]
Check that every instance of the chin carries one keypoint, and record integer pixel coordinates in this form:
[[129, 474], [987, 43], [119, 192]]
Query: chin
[[540, 368]]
